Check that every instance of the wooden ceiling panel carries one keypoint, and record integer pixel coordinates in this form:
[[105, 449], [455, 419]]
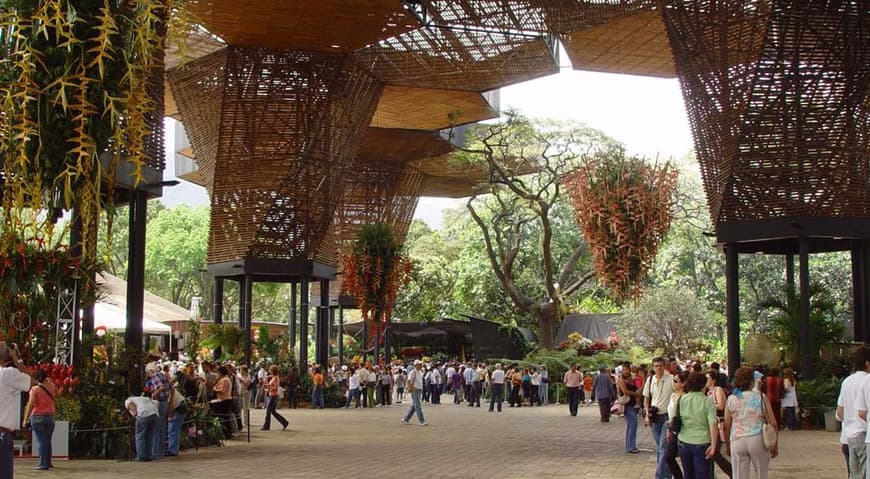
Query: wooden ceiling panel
[[395, 145], [322, 25], [635, 45], [429, 109]]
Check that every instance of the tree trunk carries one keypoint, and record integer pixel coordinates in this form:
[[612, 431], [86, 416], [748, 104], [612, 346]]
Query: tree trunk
[[546, 314]]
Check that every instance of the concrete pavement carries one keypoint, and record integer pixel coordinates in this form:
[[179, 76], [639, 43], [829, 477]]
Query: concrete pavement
[[460, 442]]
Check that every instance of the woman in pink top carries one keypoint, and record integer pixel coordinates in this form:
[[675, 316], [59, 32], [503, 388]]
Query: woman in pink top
[[272, 383], [40, 413], [223, 402]]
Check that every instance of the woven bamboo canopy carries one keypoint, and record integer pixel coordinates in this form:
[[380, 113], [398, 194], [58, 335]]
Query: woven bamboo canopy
[[429, 109], [780, 114], [777, 100], [321, 26]]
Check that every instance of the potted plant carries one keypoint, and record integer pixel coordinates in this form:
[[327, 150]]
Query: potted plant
[[818, 399]]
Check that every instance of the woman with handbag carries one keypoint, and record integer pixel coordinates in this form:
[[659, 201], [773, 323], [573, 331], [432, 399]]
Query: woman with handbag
[[746, 413], [673, 429], [629, 398], [699, 434], [716, 384], [40, 414]]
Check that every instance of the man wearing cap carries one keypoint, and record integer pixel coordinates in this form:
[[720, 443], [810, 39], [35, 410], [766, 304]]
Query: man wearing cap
[[415, 386], [14, 380]]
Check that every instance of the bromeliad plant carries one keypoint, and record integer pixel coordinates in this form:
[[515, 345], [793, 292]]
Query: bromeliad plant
[[33, 272], [624, 207], [76, 98], [374, 271]]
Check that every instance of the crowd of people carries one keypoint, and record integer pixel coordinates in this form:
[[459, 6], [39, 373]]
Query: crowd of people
[[720, 421], [697, 417]]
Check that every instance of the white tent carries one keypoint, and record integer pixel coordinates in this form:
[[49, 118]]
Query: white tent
[[114, 318]]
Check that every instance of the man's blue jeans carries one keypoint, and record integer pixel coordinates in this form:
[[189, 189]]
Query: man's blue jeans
[[5, 454], [176, 419], [659, 430], [43, 429], [162, 428], [146, 432], [416, 406]]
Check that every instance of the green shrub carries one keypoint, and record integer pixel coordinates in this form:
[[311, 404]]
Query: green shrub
[[815, 396]]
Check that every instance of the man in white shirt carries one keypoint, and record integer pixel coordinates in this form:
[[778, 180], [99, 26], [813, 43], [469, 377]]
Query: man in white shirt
[[144, 409], [415, 386], [448, 377], [852, 405], [496, 384], [14, 380], [543, 392], [435, 380], [656, 395]]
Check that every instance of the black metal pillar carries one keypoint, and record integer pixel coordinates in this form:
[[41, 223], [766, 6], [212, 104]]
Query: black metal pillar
[[340, 333], [388, 342], [806, 346], [321, 347], [365, 347], [861, 290], [136, 287], [732, 307], [293, 320], [218, 308], [246, 287], [76, 251], [789, 272], [376, 352], [303, 326]]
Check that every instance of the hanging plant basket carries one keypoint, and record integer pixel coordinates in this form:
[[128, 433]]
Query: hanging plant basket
[[374, 271], [624, 208]]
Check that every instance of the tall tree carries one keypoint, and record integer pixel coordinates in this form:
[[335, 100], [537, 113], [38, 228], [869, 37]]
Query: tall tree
[[667, 319], [526, 162]]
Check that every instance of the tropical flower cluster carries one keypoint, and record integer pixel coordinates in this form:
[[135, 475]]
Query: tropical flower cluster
[[584, 345], [62, 375]]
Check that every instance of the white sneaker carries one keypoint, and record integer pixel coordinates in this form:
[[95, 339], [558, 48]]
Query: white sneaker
[[405, 422], [424, 423]]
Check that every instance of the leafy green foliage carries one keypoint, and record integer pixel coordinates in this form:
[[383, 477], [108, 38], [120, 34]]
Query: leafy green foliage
[[817, 395], [784, 321], [228, 337], [670, 320]]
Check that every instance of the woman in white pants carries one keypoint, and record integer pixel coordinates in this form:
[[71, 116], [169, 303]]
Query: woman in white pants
[[745, 413]]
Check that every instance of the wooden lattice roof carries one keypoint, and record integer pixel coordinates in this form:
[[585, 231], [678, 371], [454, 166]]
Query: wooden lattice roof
[[635, 44], [321, 25], [400, 145], [429, 108], [446, 58], [779, 102]]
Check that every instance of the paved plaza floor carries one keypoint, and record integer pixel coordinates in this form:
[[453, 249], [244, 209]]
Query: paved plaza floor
[[460, 442]]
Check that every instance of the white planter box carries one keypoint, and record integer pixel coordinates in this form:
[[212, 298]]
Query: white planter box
[[59, 441]]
